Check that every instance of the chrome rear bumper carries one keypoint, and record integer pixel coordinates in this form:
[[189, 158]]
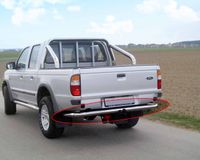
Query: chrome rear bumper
[[110, 111]]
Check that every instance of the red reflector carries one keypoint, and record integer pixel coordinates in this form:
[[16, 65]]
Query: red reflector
[[159, 84], [75, 90]]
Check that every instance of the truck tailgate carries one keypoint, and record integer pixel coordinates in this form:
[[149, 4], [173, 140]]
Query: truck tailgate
[[118, 81]]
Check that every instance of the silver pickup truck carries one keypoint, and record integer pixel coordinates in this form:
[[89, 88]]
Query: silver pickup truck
[[61, 73]]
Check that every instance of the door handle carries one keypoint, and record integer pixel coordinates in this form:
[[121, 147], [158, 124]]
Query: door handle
[[31, 78], [122, 75]]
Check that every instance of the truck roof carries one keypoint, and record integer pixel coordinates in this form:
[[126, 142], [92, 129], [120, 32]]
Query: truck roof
[[62, 39]]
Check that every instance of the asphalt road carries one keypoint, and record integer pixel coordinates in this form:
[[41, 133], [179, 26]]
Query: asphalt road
[[20, 139]]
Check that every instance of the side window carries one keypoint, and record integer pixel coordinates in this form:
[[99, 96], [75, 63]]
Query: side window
[[49, 59], [99, 53], [69, 53], [23, 59], [34, 55], [85, 52]]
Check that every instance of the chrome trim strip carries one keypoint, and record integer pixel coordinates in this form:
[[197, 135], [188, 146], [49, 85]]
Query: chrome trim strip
[[26, 105], [93, 58], [77, 54], [109, 111], [61, 54]]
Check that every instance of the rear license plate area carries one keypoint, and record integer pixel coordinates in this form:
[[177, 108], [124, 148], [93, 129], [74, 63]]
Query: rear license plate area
[[119, 101]]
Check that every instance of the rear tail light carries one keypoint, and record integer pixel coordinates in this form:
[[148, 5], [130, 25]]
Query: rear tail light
[[159, 79], [75, 85]]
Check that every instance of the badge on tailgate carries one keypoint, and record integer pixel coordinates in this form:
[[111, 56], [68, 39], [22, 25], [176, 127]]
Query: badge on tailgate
[[149, 78]]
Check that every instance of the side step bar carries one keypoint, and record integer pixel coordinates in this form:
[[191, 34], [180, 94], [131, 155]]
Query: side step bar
[[109, 111], [27, 105]]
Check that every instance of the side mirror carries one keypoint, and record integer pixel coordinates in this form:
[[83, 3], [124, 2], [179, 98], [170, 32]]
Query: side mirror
[[10, 65], [20, 66]]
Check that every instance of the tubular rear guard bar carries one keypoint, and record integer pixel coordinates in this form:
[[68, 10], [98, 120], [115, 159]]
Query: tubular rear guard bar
[[55, 58], [56, 61], [110, 111], [127, 54]]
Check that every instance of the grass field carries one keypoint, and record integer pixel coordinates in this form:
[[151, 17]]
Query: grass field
[[177, 119], [7, 55], [180, 69]]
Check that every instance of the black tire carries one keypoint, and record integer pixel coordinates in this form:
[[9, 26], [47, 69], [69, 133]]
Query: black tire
[[127, 123], [9, 106], [52, 131]]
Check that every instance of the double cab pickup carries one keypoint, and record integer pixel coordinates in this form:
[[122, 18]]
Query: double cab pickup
[[80, 79]]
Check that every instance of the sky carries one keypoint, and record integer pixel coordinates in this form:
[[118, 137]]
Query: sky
[[26, 22]]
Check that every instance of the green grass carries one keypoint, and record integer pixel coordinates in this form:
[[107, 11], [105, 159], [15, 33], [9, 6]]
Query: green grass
[[178, 120], [6, 55]]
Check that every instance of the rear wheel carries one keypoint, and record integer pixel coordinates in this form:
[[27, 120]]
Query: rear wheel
[[47, 125], [131, 119], [125, 124], [9, 106]]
